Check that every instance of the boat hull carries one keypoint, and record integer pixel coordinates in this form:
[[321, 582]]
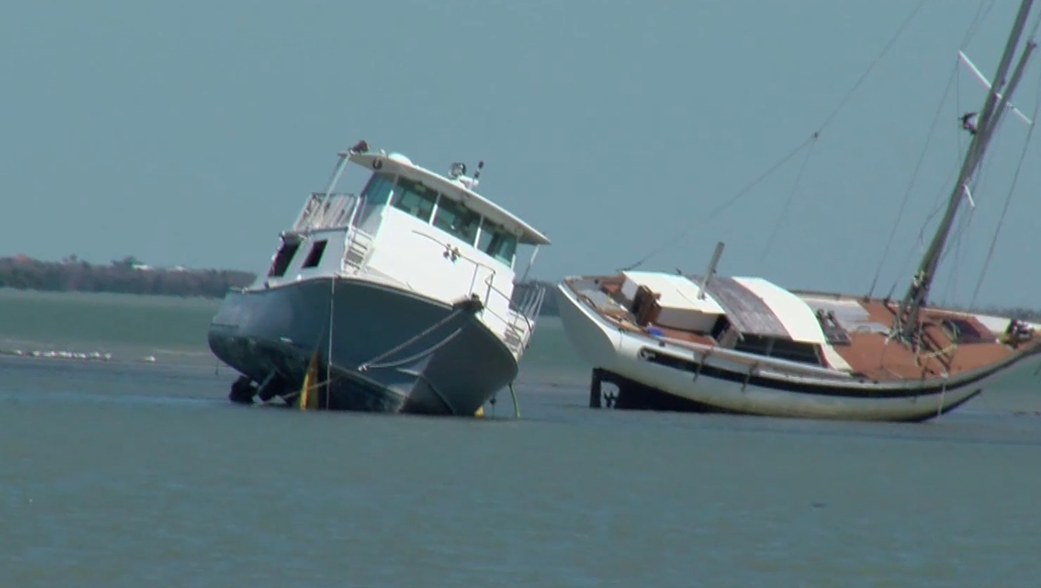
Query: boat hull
[[392, 350], [651, 373]]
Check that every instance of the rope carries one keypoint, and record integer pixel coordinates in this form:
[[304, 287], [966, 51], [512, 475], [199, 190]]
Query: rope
[[816, 134], [364, 365], [1012, 188], [411, 358], [372, 362], [938, 352]]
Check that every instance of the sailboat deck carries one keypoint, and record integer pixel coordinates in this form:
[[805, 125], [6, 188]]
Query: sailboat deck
[[857, 334], [872, 354]]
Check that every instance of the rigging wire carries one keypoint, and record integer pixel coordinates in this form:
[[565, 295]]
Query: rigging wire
[[955, 77], [1012, 188], [914, 176], [973, 189], [871, 66], [978, 181], [976, 22], [960, 238], [809, 141], [961, 232], [938, 205], [733, 200], [787, 204]]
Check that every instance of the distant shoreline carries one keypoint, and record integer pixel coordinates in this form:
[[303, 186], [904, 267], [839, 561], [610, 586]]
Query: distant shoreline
[[130, 276], [125, 276]]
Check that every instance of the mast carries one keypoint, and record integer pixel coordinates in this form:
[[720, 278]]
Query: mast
[[905, 326]]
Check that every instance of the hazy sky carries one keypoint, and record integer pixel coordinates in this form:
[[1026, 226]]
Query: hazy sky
[[190, 132]]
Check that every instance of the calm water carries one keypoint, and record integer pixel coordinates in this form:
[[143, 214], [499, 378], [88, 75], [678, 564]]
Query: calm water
[[127, 473]]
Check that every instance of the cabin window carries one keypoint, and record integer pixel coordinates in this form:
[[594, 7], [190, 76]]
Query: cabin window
[[756, 344], [796, 351], [720, 327], [315, 256], [282, 259], [779, 348], [456, 220], [414, 198], [378, 189], [498, 243]]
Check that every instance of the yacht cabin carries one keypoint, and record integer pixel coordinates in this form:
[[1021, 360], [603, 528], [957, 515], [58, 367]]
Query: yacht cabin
[[410, 228]]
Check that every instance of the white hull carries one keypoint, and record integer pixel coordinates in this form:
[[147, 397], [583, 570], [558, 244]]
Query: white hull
[[730, 381]]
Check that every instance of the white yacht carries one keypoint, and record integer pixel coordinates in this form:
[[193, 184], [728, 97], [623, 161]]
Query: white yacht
[[399, 299]]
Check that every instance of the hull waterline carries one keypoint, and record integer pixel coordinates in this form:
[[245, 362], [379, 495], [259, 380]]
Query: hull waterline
[[392, 350]]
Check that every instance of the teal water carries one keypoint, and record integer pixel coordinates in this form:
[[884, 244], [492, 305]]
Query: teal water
[[126, 473]]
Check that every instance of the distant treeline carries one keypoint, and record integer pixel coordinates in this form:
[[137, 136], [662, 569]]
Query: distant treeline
[[130, 276], [125, 276], [1023, 314]]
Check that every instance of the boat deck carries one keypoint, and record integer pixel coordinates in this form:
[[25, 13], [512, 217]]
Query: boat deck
[[855, 328]]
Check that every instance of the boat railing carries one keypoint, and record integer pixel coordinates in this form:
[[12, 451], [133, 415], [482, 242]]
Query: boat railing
[[357, 251], [519, 325], [326, 211]]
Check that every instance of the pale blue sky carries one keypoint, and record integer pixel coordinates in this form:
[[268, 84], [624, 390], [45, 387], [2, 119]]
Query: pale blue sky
[[190, 132]]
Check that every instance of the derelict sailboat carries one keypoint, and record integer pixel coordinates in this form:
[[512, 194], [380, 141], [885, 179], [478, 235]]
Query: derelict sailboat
[[745, 345]]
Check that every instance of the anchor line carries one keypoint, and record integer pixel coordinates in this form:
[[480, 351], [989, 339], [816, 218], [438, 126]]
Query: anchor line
[[420, 355], [365, 365], [330, 379]]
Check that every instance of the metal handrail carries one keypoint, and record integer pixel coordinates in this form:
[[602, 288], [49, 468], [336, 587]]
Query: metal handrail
[[527, 310], [531, 302], [326, 211], [353, 234]]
